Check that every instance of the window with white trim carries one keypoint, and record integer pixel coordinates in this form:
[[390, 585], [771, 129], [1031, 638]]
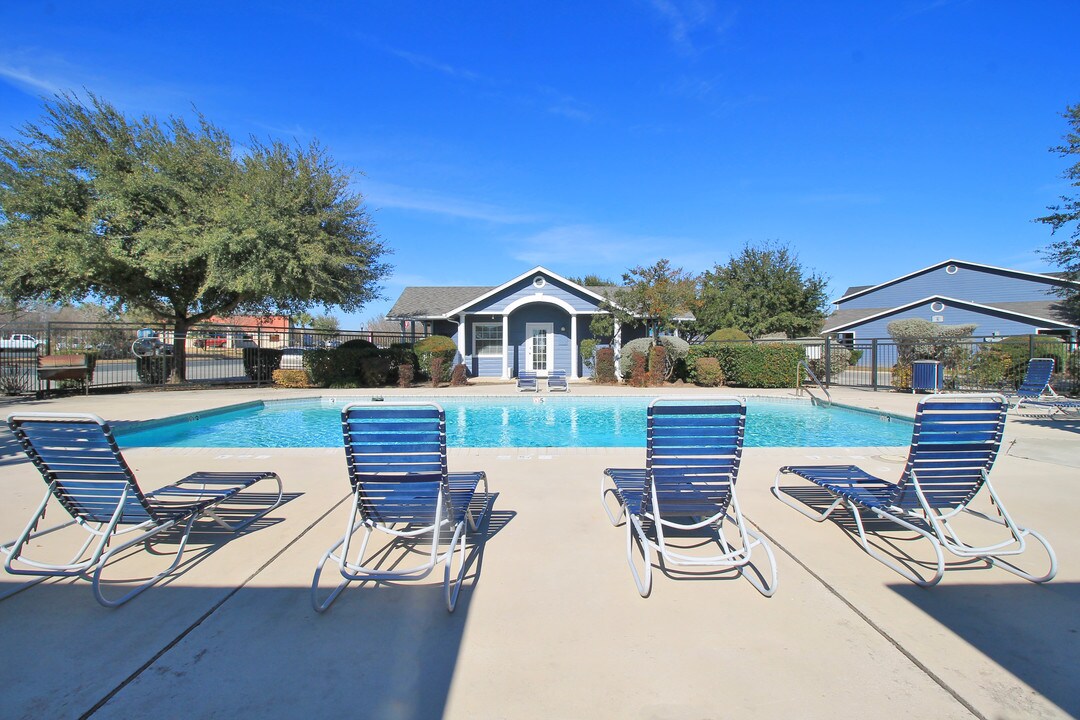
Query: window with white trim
[[487, 339]]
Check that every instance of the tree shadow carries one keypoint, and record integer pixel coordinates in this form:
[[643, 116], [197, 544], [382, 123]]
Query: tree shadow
[[1032, 631], [389, 651]]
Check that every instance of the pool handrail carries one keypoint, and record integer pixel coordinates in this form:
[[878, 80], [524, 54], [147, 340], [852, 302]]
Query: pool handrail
[[810, 373]]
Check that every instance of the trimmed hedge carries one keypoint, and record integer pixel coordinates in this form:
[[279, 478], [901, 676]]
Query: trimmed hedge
[[291, 379], [766, 365], [708, 373]]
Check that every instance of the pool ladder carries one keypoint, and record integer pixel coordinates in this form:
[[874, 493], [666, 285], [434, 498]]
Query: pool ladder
[[810, 374]]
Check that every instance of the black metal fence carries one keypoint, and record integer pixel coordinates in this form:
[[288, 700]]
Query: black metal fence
[[127, 355], [968, 364]]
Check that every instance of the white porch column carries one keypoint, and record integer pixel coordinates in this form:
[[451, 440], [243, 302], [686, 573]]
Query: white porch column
[[574, 353], [461, 336], [616, 344], [506, 347]]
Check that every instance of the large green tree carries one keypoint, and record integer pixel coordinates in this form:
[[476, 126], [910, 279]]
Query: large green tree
[[764, 289], [1066, 252], [173, 219], [655, 296]]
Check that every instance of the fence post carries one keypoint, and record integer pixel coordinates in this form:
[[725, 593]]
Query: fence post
[[48, 338], [873, 364], [1031, 346], [828, 361]]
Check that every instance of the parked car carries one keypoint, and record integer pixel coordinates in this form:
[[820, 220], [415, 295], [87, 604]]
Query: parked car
[[215, 340], [20, 341], [292, 358]]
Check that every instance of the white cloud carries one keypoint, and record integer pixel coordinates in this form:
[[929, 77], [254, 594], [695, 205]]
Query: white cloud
[[387, 195], [600, 250], [28, 80], [688, 19]]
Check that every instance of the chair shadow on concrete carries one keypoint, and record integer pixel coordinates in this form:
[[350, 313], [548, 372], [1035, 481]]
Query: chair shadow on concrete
[[205, 539], [905, 547], [1031, 631], [401, 551]]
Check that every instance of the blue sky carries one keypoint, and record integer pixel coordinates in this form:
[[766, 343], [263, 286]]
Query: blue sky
[[874, 138]]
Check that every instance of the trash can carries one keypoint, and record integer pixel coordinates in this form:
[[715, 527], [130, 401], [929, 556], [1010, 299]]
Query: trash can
[[927, 376]]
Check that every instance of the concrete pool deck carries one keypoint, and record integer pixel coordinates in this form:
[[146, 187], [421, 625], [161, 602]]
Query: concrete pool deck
[[549, 624]]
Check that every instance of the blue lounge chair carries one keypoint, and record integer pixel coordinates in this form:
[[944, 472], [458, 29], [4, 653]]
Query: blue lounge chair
[[526, 381], [1036, 380], [396, 454], [953, 447], [687, 487], [1035, 389], [556, 381], [82, 465]]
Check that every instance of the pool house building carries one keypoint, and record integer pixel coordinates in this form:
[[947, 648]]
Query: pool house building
[[534, 322]]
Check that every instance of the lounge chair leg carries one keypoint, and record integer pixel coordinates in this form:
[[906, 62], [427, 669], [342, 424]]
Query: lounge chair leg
[[939, 571], [604, 492], [1006, 565], [634, 528], [457, 547], [148, 583], [751, 573]]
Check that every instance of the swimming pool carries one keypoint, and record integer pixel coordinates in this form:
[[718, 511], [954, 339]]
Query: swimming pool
[[513, 422]]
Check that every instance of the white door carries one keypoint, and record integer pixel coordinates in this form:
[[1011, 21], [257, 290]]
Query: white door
[[539, 347]]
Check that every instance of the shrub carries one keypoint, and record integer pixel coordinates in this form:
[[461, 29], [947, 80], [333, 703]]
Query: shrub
[[989, 367], [436, 369], [348, 368], [657, 365], [605, 366], [436, 346], [357, 344], [1021, 348], [374, 369], [675, 362], [839, 361], [459, 377], [291, 378], [405, 375], [708, 373], [401, 355], [901, 376], [155, 370], [626, 362], [727, 335], [260, 363], [587, 348], [639, 376]]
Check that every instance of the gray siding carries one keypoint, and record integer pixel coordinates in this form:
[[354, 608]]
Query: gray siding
[[987, 324], [977, 285]]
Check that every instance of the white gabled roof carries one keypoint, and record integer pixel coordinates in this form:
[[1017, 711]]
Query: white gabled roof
[[519, 278], [964, 263], [955, 303]]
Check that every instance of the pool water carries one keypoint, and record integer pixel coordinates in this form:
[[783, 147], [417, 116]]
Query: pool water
[[515, 422]]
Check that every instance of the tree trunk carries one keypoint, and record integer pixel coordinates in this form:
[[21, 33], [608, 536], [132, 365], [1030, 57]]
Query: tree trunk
[[180, 330]]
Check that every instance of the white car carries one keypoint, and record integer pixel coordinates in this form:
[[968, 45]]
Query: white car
[[20, 341], [292, 358]]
